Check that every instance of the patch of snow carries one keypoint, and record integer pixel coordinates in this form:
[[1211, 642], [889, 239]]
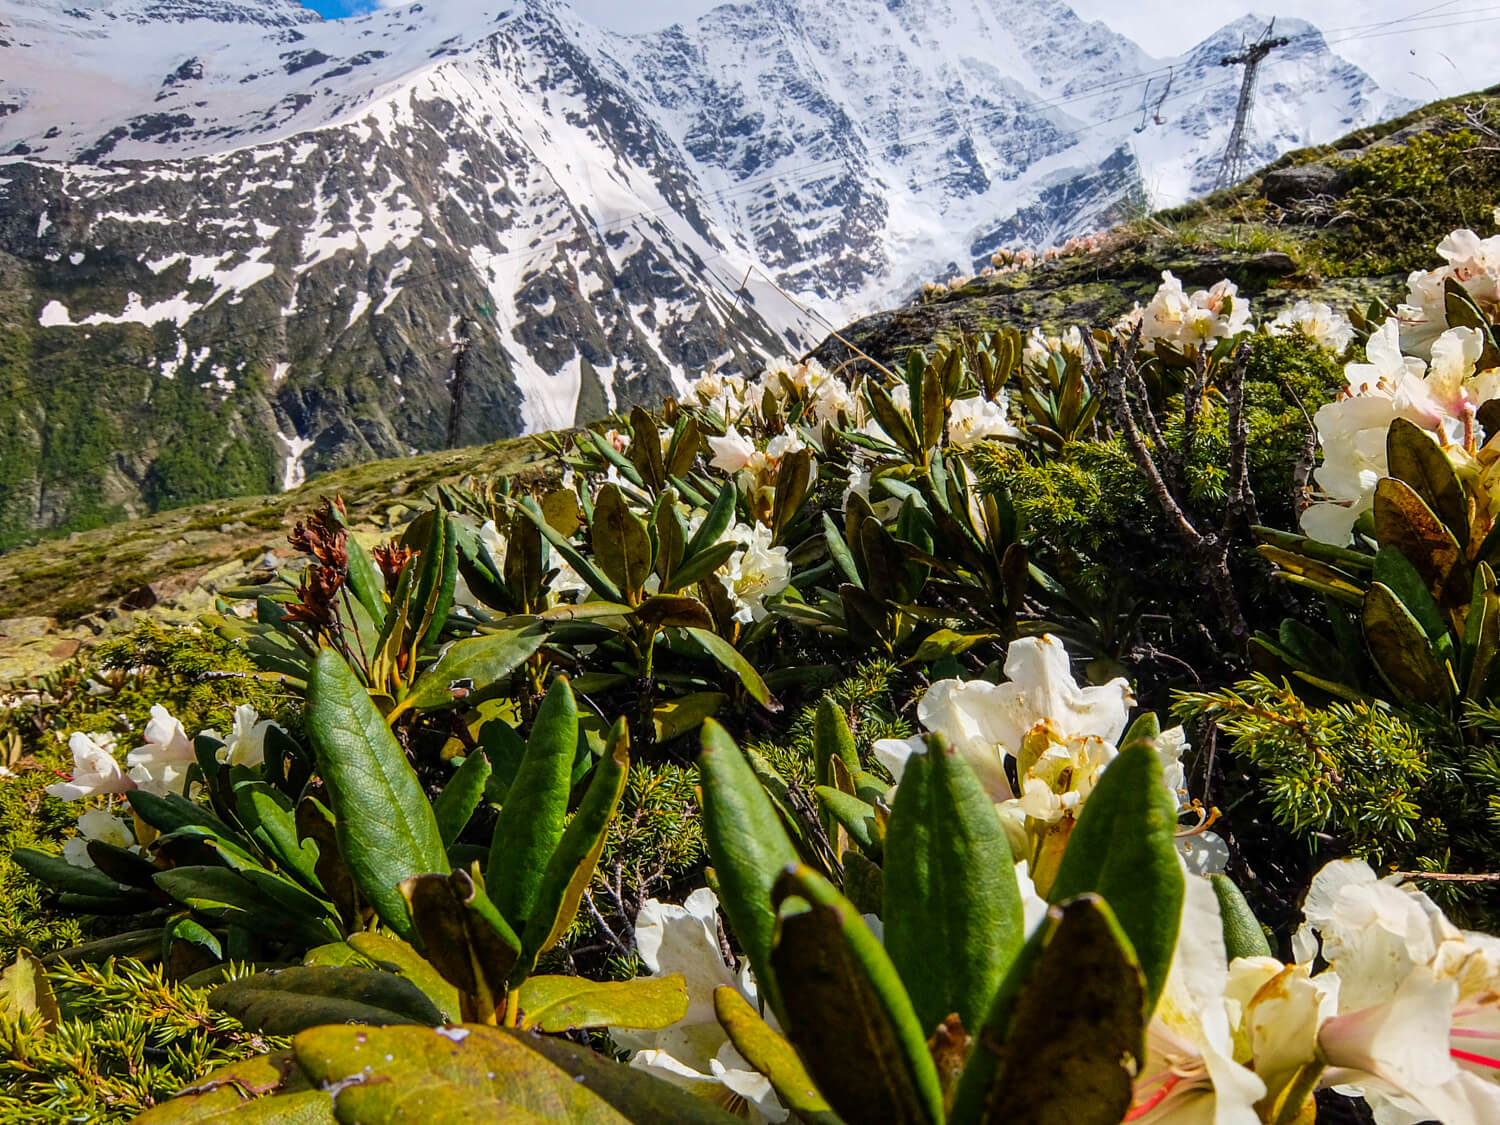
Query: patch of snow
[[294, 473]]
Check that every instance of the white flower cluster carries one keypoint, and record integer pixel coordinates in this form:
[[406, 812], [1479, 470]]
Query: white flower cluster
[[158, 766], [1406, 1013], [1040, 348], [823, 393], [1316, 320], [758, 572], [1183, 320], [1057, 736], [1472, 262], [1441, 398]]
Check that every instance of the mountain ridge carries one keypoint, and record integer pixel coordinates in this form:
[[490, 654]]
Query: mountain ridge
[[246, 259]]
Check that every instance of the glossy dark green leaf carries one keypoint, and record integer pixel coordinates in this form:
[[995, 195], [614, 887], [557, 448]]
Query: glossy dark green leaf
[[61, 875], [270, 818], [846, 1011], [436, 577], [953, 916], [461, 796], [714, 524], [475, 669], [596, 580], [571, 864], [286, 1001], [530, 823], [747, 844], [366, 581], [384, 825], [856, 817], [729, 656], [1124, 848]]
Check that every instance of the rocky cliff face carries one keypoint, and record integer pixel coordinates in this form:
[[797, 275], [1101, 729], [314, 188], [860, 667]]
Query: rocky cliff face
[[238, 244]]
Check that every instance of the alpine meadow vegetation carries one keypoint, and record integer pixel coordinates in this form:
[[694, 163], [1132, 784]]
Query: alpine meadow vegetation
[[1096, 723]]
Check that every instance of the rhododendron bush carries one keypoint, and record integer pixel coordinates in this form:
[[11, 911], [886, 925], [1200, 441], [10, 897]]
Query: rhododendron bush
[[1092, 725]]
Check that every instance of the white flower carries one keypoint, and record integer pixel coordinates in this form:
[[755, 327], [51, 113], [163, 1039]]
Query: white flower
[[1184, 321], [1352, 431], [1417, 1023], [95, 770], [1472, 262], [734, 451], [158, 766], [1190, 1073], [1318, 322], [246, 744], [971, 420], [1060, 736], [758, 572], [101, 825], [695, 1052]]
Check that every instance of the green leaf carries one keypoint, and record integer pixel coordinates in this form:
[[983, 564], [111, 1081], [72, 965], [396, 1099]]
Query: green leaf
[[366, 581], [674, 717], [748, 846], [953, 916], [475, 669], [436, 578], [465, 937], [586, 569], [397, 956], [471, 1074], [621, 545], [265, 1090], [1067, 1029], [1405, 523], [714, 523], [1124, 849], [530, 823], [385, 828], [571, 865], [857, 818], [286, 1001], [700, 566], [729, 656], [770, 1054], [173, 811], [24, 991], [460, 797], [561, 1003], [1401, 649], [269, 817], [60, 875], [1243, 934], [846, 1011], [257, 900], [1412, 456]]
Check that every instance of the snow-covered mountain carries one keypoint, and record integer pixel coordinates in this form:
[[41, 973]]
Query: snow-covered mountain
[[241, 239]]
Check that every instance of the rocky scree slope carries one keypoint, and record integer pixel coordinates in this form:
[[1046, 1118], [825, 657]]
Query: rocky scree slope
[[237, 242]]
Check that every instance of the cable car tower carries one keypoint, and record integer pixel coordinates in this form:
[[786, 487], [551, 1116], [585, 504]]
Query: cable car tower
[[1232, 170]]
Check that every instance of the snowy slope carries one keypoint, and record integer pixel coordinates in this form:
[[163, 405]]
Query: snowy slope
[[288, 217]]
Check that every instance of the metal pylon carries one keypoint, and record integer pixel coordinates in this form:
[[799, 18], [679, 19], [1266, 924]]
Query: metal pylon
[[1232, 169]]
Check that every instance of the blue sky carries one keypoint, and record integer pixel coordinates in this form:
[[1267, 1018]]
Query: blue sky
[[333, 9]]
